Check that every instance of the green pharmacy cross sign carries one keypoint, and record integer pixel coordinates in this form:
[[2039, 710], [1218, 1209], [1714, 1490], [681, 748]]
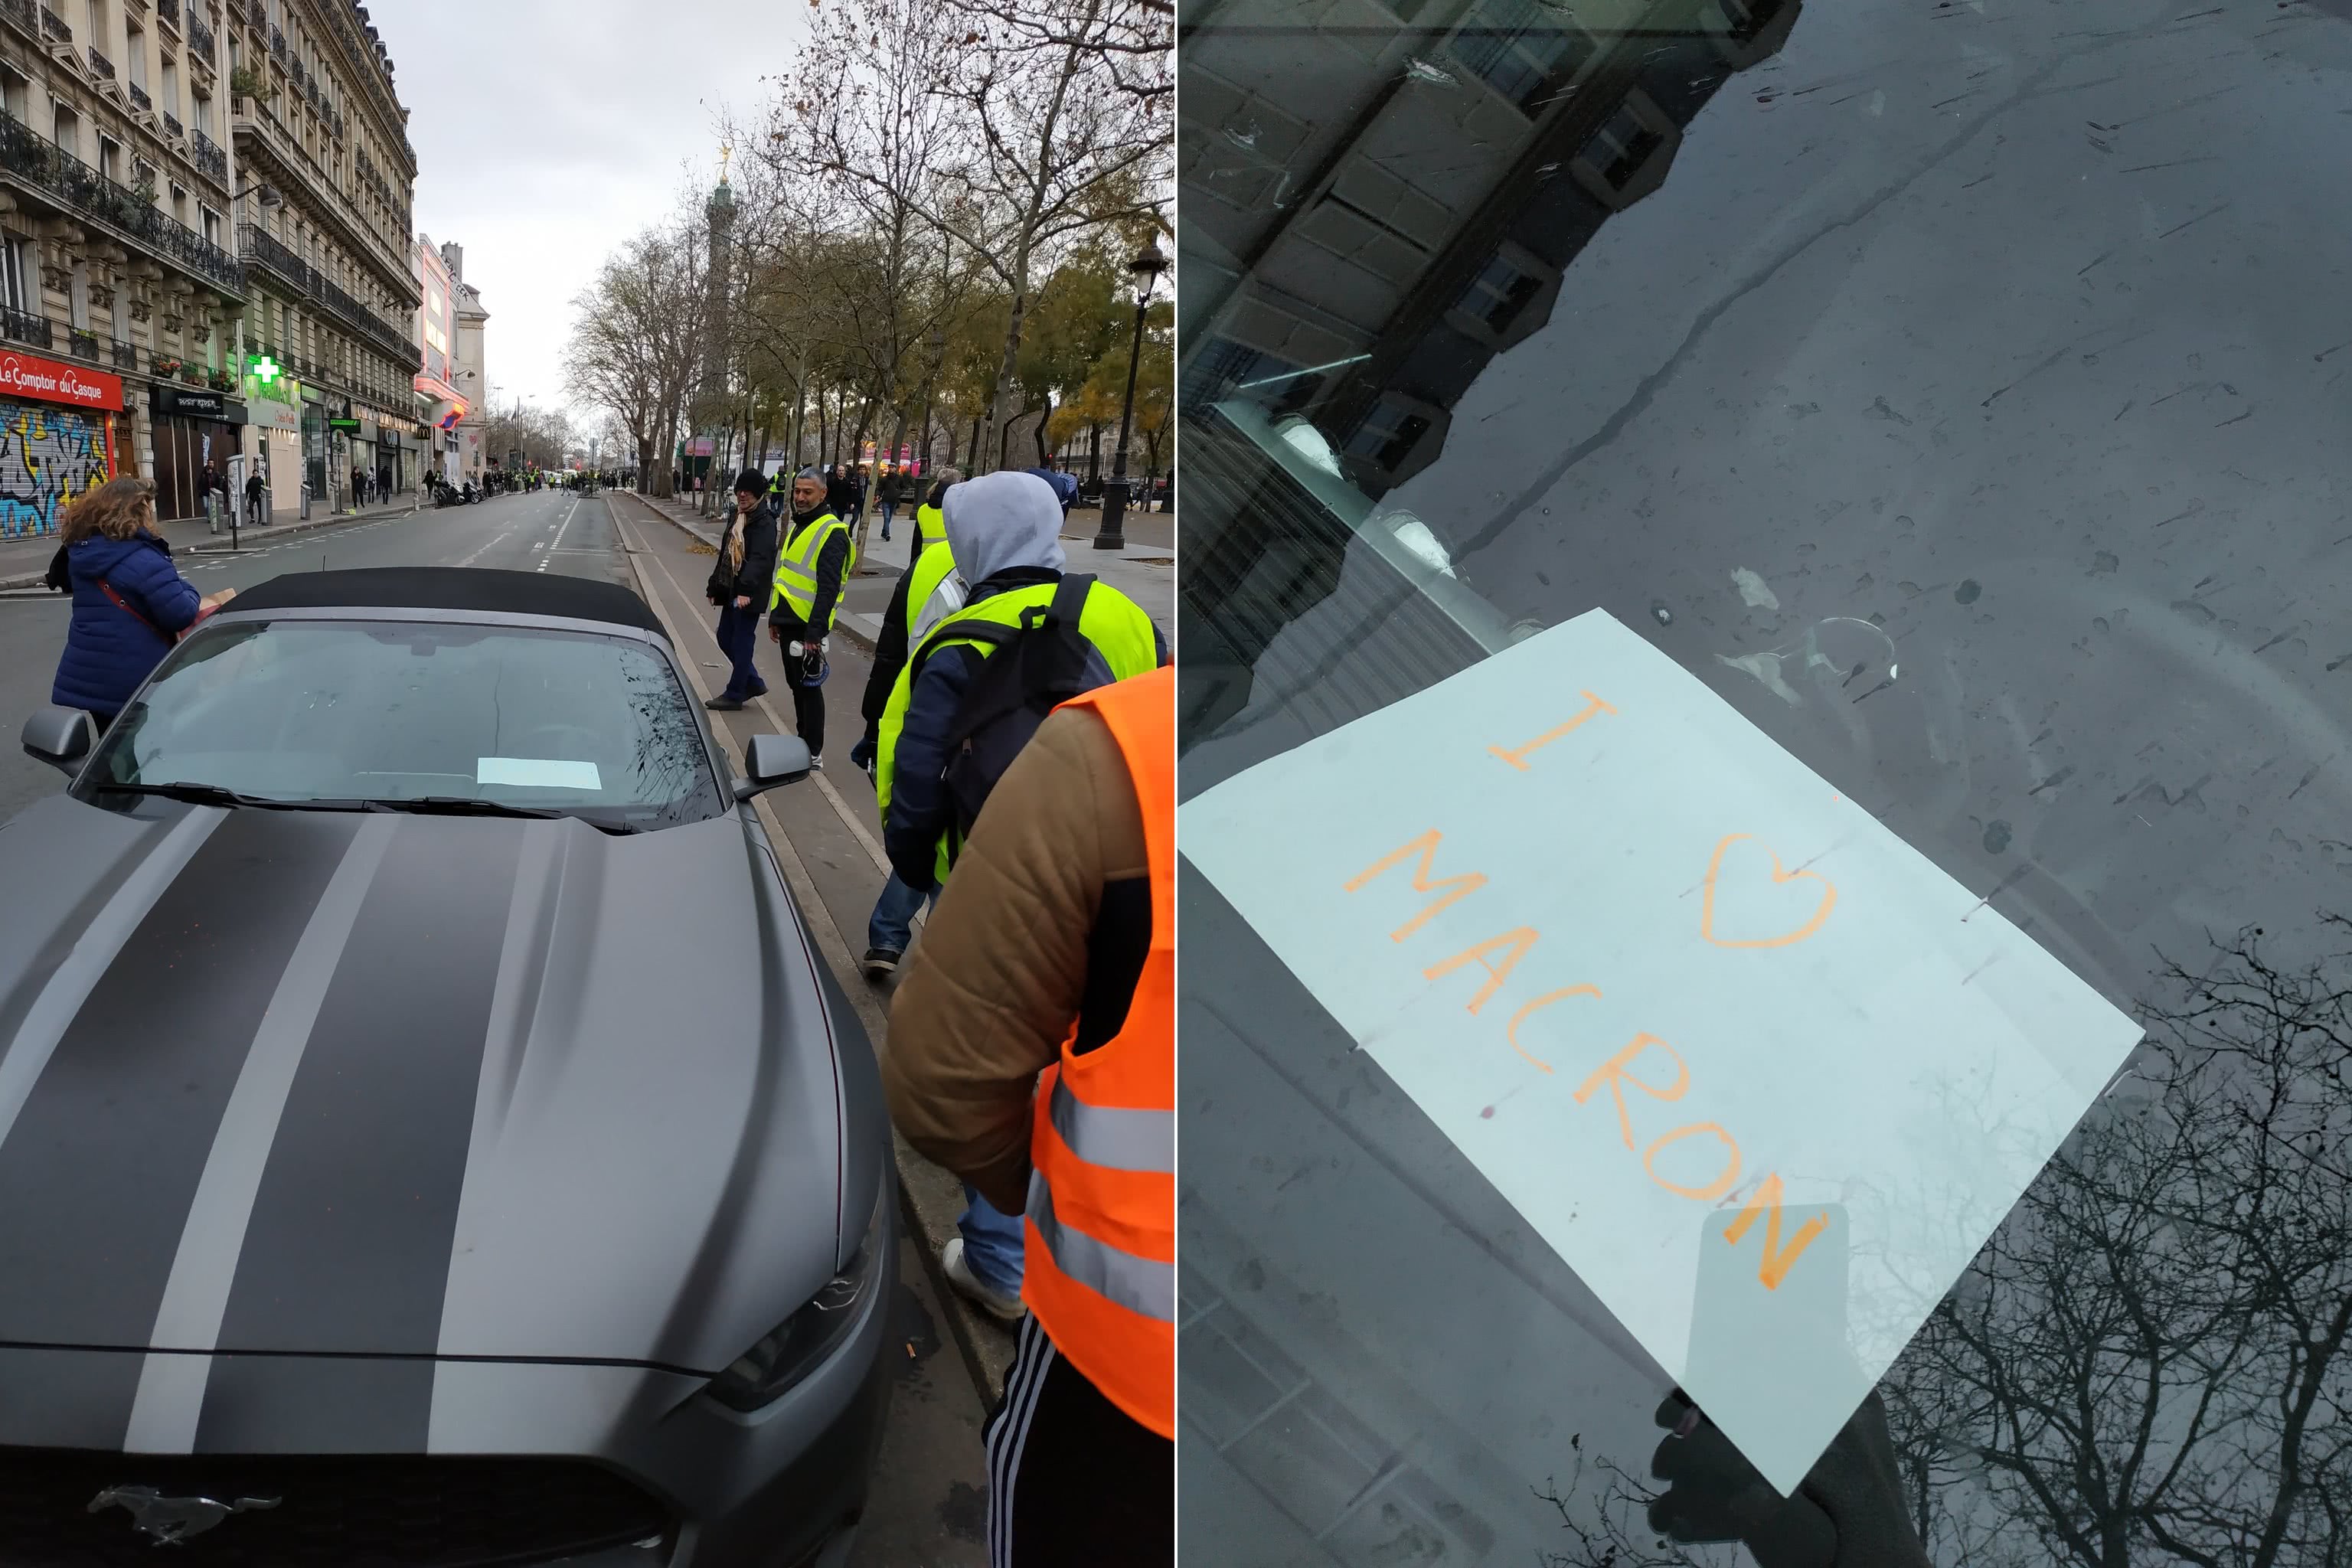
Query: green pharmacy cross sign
[[264, 369]]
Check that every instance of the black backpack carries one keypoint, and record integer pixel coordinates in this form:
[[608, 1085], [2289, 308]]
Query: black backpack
[[1031, 669]]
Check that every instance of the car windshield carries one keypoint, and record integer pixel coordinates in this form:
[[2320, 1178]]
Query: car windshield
[[1940, 409], [324, 711]]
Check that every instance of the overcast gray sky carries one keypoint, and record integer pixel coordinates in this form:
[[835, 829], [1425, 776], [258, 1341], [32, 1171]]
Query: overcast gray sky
[[548, 131]]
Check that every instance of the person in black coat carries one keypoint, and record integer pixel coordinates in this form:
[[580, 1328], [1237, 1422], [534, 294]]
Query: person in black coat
[[740, 584]]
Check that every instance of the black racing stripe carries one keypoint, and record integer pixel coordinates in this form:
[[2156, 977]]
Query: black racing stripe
[[348, 1248], [98, 1175], [1116, 950], [315, 1405]]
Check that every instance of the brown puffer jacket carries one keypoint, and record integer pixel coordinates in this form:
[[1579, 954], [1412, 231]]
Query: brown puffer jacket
[[1041, 930]]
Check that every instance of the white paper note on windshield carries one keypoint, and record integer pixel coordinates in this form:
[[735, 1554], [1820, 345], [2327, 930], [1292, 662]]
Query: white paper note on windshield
[[538, 773], [1762, 1074]]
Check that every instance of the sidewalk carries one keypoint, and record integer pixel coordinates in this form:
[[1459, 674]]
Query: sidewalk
[[24, 560], [1144, 571]]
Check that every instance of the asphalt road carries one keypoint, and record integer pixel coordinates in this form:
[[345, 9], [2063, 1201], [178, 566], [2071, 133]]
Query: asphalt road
[[928, 1504]]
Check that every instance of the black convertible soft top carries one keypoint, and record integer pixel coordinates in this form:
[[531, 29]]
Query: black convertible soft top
[[451, 588]]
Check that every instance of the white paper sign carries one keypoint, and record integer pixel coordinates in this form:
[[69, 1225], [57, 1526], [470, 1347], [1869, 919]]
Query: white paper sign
[[538, 773], [1758, 1071]]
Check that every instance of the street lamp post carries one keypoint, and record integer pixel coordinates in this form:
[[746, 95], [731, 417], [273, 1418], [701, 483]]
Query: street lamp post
[[939, 343], [1146, 269]]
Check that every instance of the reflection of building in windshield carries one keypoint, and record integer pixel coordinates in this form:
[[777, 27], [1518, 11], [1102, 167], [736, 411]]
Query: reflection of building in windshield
[[1377, 202], [1373, 212]]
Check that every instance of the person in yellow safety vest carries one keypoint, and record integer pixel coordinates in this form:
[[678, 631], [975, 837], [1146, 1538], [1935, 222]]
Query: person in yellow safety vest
[[928, 590], [813, 562], [931, 523], [1004, 536]]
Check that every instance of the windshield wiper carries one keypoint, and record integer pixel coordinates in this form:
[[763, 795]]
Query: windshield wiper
[[462, 805], [218, 795], [470, 805]]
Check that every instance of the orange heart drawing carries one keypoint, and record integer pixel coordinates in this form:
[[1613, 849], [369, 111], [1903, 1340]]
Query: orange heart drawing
[[1790, 938]]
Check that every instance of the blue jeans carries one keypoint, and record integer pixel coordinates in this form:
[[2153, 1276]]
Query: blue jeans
[[887, 508], [991, 1244], [893, 925], [739, 639]]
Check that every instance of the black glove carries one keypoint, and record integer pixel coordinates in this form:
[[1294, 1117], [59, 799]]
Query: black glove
[[811, 661], [1848, 1512], [862, 755]]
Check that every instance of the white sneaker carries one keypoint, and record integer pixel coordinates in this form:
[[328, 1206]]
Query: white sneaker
[[993, 1302]]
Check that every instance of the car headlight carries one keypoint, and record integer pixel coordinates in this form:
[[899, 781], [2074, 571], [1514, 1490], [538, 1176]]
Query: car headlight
[[799, 1345]]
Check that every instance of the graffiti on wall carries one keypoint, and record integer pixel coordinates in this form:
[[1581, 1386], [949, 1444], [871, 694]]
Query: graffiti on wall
[[47, 457]]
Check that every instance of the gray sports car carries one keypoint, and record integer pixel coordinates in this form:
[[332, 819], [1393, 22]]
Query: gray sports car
[[428, 1136]]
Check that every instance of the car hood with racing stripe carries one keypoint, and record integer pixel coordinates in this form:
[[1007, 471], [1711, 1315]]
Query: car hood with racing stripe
[[370, 1084]]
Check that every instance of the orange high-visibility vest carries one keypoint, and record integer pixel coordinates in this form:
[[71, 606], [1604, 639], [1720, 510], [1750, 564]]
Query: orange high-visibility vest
[[1100, 1225]]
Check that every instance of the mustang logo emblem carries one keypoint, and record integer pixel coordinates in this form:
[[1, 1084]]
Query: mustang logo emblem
[[172, 1519]]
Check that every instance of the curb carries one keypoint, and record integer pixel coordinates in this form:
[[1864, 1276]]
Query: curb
[[929, 1198]]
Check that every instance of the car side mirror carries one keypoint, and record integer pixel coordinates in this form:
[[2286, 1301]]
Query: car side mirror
[[772, 760], [61, 737]]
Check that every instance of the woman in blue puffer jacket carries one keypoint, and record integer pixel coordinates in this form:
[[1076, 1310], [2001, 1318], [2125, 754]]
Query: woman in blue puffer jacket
[[130, 603]]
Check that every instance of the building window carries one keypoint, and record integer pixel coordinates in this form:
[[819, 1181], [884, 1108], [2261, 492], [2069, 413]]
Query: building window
[[1621, 145], [1496, 300], [1387, 434], [16, 95], [16, 273], [134, 56], [169, 101], [65, 132], [200, 113], [212, 225], [1526, 50], [1629, 156]]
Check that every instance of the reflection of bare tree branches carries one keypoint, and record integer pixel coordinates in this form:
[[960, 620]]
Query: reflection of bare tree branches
[[1608, 1526], [2147, 1363]]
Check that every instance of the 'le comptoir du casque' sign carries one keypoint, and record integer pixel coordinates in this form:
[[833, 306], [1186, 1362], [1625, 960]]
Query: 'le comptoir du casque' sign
[[24, 376]]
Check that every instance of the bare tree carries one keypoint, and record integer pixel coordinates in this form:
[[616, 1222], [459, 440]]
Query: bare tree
[[636, 342], [1060, 145], [862, 118]]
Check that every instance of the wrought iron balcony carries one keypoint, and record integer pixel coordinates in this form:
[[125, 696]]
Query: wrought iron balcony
[[54, 27], [139, 99], [265, 250], [100, 65], [24, 327], [81, 342], [168, 13], [277, 45], [18, 13], [206, 156], [28, 156], [126, 355], [171, 126], [200, 41]]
